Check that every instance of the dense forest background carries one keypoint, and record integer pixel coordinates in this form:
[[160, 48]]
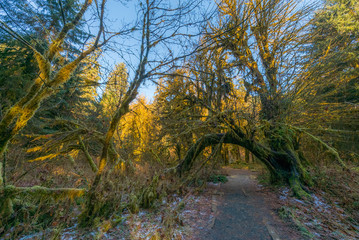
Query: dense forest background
[[267, 82]]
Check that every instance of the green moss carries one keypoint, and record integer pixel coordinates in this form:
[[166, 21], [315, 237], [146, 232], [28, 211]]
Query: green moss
[[39, 192], [6, 208], [329, 149], [306, 177], [149, 194], [89, 159], [44, 66], [218, 178], [133, 204], [297, 189]]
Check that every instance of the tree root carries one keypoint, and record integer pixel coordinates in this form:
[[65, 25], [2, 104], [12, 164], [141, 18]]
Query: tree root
[[296, 186]]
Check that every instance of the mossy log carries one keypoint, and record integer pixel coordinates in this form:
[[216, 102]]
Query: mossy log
[[283, 164], [38, 191], [9, 192]]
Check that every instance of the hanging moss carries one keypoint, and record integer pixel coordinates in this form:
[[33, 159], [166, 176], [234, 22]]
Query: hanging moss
[[330, 150], [44, 65], [89, 159], [280, 158]]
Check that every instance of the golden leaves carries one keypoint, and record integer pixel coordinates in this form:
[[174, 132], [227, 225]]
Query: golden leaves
[[42, 158], [34, 149]]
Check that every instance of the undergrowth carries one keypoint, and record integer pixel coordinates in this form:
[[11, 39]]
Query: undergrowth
[[218, 179], [341, 186], [121, 195], [332, 212]]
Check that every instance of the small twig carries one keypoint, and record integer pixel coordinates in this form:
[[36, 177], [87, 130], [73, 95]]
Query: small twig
[[62, 12]]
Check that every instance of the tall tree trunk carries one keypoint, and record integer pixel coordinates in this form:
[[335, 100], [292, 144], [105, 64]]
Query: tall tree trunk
[[246, 155], [178, 150]]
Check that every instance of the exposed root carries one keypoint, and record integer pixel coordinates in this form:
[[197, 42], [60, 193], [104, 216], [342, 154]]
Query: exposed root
[[297, 188]]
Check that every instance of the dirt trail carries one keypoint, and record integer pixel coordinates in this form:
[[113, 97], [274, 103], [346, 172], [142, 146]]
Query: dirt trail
[[245, 212]]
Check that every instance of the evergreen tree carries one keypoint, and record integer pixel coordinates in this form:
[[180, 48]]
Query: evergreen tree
[[332, 90], [115, 90], [38, 22], [334, 54]]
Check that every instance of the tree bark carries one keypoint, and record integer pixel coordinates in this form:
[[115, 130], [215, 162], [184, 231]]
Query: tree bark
[[246, 155], [283, 163]]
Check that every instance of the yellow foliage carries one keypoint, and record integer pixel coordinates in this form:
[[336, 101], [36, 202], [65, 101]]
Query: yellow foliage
[[121, 166], [115, 89], [42, 137], [42, 158], [74, 153], [62, 172], [136, 128], [34, 149]]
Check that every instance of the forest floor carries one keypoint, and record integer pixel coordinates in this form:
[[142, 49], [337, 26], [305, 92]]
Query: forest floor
[[246, 211], [241, 209]]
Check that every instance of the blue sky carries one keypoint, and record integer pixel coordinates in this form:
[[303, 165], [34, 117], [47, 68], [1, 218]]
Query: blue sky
[[119, 13]]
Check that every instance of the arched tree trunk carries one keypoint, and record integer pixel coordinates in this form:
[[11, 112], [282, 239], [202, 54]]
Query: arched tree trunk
[[283, 163]]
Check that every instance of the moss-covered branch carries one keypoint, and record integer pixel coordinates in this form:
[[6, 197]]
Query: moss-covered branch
[[16, 118], [326, 146], [56, 44], [283, 163], [11, 191], [89, 159]]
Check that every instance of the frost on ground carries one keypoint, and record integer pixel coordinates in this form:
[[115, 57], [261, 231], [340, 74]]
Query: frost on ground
[[316, 218], [181, 218]]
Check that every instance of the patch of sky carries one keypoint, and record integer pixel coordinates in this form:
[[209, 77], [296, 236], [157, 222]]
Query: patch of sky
[[125, 48]]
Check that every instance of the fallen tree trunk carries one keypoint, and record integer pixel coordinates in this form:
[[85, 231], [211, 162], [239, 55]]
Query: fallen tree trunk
[[38, 191], [9, 192]]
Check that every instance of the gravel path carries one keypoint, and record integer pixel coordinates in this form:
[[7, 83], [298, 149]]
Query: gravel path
[[245, 212]]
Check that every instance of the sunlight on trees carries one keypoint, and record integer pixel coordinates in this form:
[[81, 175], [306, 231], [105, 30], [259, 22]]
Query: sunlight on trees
[[267, 82], [115, 90]]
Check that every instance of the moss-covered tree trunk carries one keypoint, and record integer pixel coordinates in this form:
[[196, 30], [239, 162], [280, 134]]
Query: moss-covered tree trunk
[[281, 159], [246, 155], [17, 117], [91, 210]]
